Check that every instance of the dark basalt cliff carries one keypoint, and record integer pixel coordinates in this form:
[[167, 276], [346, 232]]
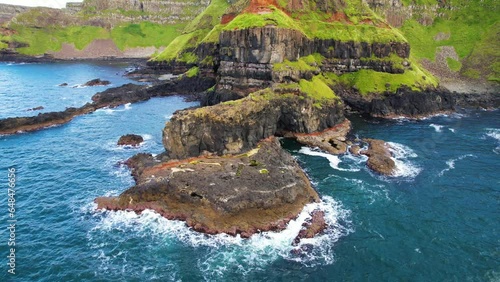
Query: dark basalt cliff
[[217, 173], [233, 127], [246, 57]]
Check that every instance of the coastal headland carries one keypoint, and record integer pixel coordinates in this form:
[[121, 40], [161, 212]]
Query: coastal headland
[[262, 70]]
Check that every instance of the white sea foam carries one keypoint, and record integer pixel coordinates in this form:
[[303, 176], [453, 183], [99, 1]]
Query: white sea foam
[[451, 129], [401, 155], [334, 160], [226, 251], [451, 163], [437, 127], [495, 134], [111, 111]]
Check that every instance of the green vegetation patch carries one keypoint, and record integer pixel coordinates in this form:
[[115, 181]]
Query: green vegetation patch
[[419, 2], [276, 17], [317, 89], [453, 64], [484, 59], [201, 29], [145, 34], [370, 81], [42, 40], [192, 72], [466, 24]]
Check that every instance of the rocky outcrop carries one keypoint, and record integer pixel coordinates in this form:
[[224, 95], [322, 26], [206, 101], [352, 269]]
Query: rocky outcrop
[[97, 82], [7, 12], [246, 58], [238, 126], [404, 103], [312, 227], [112, 97], [243, 194], [331, 140], [379, 157], [130, 140]]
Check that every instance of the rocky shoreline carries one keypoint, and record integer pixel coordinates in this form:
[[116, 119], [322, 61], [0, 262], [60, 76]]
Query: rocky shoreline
[[258, 190], [223, 170]]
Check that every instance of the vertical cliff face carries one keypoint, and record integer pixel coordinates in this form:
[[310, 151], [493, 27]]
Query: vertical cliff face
[[234, 127], [247, 58]]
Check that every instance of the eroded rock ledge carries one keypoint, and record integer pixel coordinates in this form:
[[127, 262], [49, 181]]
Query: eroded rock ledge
[[259, 190]]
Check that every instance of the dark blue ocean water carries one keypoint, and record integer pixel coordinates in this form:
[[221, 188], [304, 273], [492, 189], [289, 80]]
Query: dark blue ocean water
[[436, 221]]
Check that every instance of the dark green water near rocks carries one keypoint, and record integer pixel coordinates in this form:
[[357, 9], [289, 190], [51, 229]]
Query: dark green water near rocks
[[436, 221]]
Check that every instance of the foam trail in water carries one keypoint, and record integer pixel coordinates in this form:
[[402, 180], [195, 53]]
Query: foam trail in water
[[251, 254], [451, 163], [334, 160], [401, 155], [495, 134], [111, 111], [437, 127]]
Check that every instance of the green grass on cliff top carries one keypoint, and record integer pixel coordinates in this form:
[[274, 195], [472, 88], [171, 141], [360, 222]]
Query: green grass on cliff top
[[206, 27], [195, 32], [315, 25], [370, 81]]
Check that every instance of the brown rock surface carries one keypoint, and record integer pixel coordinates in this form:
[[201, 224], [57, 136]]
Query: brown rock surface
[[331, 140], [379, 157], [313, 227], [243, 194], [97, 82], [131, 140]]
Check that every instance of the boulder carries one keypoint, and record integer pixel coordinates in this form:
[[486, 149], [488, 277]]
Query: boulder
[[331, 140], [130, 140], [97, 82], [379, 157]]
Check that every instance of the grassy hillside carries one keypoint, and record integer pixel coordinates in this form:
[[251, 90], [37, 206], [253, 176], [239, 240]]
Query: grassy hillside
[[470, 27], [356, 22], [42, 40]]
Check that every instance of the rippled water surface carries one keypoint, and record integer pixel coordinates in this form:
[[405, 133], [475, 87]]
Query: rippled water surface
[[436, 220]]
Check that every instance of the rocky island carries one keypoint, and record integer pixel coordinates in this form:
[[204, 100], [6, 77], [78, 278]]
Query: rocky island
[[264, 69]]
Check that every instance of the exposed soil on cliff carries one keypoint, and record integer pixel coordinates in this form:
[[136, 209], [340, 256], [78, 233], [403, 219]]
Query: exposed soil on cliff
[[260, 6]]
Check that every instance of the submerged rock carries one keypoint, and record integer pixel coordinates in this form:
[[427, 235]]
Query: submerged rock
[[379, 157], [260, 190], [39, 108], [131, 140]]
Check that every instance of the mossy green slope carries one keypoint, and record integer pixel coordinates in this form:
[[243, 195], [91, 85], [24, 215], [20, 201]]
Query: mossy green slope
[[470, 27]]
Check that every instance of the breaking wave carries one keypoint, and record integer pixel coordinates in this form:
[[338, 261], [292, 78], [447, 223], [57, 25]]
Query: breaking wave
[[225, 251], [401, 157], [334, 160]]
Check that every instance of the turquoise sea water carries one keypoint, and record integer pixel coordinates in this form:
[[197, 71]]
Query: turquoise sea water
[[436, 221]]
